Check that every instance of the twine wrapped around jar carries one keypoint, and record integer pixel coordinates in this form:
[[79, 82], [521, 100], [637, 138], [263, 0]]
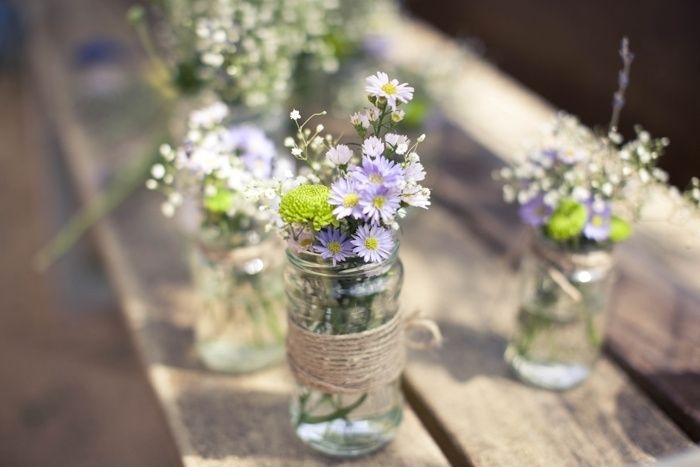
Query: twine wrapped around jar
[[358, 362]]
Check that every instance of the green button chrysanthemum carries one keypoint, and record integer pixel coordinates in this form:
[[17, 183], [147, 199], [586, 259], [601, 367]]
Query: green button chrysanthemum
[[220, 202], [567, 221], [307, 204], [620, 230]]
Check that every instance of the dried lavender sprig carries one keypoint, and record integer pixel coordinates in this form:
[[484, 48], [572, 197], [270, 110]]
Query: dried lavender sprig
[[623, 79]]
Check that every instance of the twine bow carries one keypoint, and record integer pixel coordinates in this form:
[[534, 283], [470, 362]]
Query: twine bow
[[561, 260], [357, 362]]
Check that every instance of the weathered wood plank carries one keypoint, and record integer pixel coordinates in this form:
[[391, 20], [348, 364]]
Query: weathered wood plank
[[216, 419]]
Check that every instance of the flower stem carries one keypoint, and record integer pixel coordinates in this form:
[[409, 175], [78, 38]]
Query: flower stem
[[341, 413]]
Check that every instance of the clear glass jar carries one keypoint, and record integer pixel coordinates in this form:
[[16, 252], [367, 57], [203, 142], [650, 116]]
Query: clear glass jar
[[335, 300], [562, 316], [240, 323]]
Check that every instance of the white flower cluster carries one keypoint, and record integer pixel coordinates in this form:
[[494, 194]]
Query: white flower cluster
[[233, 173], [246, 50]]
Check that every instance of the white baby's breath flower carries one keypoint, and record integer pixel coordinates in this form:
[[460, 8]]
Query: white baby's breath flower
[[167, 209], [175, 198], [339, 155], [296, 152], [158, 171], [151, 184], [372, 113], [372, 147], [398, 142], [359, 119], [294, 114], [166, 151], [397, 116]]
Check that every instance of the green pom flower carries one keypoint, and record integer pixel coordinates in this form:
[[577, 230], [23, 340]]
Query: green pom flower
[[307, 204], [567, 221], [620, 229], [220, 202]]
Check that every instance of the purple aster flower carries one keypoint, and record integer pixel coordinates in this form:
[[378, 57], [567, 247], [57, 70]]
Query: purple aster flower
[[334, 245], [255, 150], [379, 203], [598, 225], [345, 195], [379, 171], [535, 212], [414, 172], [372, 243], [259, 166]]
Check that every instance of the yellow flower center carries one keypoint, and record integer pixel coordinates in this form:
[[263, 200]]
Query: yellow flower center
[[371, 243], [349, 201], [378, 202], [597, 221], [334, 247], [376, 179], [389, 88]]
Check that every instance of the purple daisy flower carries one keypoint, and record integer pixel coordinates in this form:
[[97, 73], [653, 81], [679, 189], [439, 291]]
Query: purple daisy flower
[[379, 171], [372, 243], [535, 212], [255, 150], [598, 225], [345, 195], [334, 245], [379, 203]]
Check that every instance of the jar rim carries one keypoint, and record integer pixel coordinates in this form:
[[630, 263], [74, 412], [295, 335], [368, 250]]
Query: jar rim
[[314, 263], [541, 240]]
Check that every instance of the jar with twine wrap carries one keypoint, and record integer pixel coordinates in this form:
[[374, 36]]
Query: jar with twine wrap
[[563, 311], [346, 350], [239, 317]]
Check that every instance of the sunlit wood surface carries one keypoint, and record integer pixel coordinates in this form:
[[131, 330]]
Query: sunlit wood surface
[[464, 407]]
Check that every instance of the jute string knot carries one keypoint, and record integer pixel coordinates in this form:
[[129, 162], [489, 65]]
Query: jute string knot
[[357, 362]]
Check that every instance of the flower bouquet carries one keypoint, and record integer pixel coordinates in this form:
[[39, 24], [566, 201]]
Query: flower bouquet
[[245, 51], [344, 276], [580, 191], [214, 181]]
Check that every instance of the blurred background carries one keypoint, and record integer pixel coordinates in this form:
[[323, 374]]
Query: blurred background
[[71, 382]]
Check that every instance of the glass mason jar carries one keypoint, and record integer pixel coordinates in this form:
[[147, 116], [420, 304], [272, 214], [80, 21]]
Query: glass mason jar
[[240, 324], [562, 316], [340, 300]]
